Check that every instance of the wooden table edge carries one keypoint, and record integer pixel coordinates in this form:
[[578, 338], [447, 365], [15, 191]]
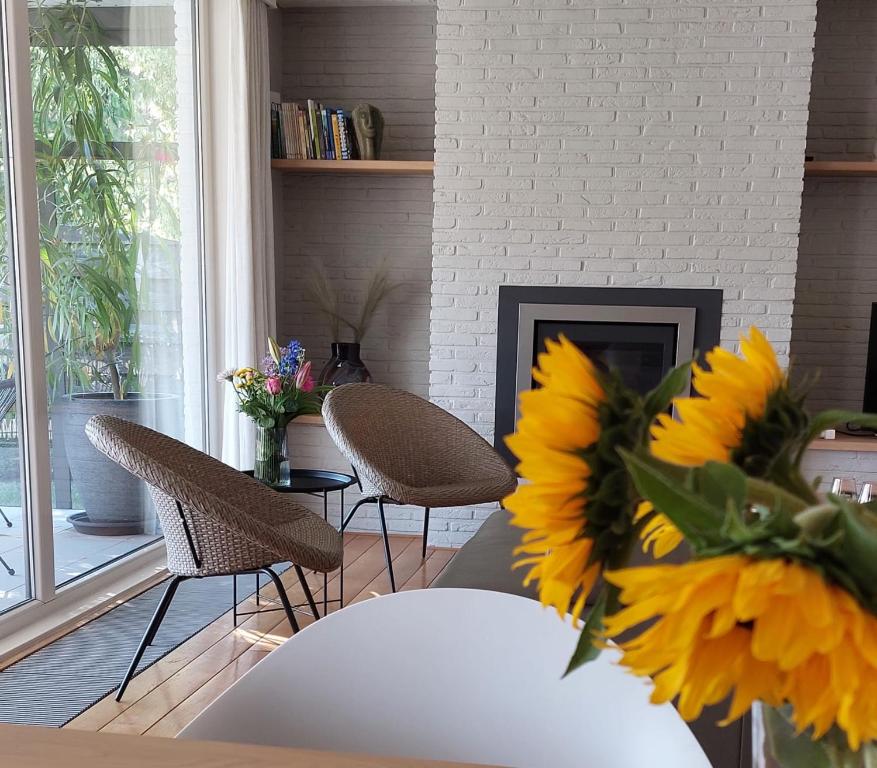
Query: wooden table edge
[[30, 746]]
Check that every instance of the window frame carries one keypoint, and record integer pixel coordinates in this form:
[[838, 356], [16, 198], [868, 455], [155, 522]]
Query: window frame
[[52, 608]]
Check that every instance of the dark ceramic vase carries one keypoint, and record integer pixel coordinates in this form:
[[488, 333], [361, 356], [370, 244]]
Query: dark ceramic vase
[[329, 368], [349, 368]]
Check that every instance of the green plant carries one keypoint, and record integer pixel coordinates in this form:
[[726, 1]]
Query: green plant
[[88, 214], [103, 116]]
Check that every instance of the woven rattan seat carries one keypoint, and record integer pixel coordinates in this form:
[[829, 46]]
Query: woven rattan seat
[[406, 450], [216, 520]]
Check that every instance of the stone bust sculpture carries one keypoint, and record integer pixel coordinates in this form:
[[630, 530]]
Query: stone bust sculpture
[[368, 122]]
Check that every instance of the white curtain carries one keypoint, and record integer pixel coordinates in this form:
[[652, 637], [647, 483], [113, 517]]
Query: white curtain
[[239, 241]]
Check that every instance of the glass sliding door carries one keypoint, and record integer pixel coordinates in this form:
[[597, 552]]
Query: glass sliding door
[[115, 132], [15, 555]]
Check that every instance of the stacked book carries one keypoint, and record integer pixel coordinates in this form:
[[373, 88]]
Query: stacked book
[[311, 132]]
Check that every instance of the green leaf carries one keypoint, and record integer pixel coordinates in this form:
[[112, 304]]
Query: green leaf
[[586, 650], [858, 548], [721, 484], [699, 521], [673, 384], [828, 419]]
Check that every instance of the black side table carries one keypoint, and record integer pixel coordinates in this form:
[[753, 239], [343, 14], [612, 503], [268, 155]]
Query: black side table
[[319, 482]]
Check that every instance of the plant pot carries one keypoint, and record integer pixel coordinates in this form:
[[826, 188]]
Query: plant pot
[[115, 501], [349, 368]]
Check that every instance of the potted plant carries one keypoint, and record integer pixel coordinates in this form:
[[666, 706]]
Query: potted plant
[[283, 389], [345, 364], [94, 238]]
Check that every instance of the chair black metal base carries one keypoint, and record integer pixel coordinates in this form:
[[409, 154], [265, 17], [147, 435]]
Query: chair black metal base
[[168, 596], [381, 501], [5, 519], [9, 569]]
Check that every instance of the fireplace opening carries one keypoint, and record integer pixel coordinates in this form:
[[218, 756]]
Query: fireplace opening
[[640, 332], [642, 353]]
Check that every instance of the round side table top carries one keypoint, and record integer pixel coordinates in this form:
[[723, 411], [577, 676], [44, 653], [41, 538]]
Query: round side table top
[[312, 481]]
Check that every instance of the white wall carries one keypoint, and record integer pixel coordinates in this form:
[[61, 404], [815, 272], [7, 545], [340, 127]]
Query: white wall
[[837, 262], [590, 143]]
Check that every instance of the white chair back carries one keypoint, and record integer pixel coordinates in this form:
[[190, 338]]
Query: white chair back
[[450, 674]]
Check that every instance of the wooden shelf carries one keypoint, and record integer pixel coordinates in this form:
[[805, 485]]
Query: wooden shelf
[[849, 443], [357, 167], [311, 421], [840, 168]]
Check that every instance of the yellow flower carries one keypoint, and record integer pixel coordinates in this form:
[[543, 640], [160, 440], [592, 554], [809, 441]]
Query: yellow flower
[[735, 392], [243, 377], [658, 533], [558, 421], [770, 630]]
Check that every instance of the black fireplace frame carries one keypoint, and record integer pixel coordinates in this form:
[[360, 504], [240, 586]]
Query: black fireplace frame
[[707, 302]]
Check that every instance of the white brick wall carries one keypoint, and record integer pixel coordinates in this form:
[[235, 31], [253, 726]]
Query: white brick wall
[[650, 143], [342, 57], [837, 269]]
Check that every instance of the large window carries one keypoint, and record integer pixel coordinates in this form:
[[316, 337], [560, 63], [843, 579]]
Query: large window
[[116, 178]]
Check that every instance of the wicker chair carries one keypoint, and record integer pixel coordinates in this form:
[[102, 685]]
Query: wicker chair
[[405, 450], [216, 520]]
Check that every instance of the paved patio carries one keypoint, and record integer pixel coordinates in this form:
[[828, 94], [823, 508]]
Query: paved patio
[[75, 553]]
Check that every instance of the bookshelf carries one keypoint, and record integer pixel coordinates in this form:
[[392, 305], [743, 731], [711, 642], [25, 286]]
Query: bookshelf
[[357, 167], [840, 168]]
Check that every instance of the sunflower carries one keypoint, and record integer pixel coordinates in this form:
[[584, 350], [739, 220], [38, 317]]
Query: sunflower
[[771, 630], [658, 533], [559, 421], [736, 394]]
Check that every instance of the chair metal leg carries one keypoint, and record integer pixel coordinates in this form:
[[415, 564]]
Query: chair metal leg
[[284, 600], [5, 519], [9, 569], [151, 630], [387, 552], [307, 590], [425, 531]]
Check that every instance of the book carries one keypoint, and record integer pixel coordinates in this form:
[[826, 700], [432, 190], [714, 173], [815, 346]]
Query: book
[[314, 136], [328, 142], [336, 137], [311, 131]]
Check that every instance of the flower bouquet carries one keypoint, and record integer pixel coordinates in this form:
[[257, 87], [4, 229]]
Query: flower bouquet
[[281, 390], [777, 606]]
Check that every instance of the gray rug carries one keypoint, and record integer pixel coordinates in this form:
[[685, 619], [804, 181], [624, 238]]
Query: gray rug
[[58, 682]]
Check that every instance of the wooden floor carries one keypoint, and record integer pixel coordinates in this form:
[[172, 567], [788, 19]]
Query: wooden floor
[[167, 696]]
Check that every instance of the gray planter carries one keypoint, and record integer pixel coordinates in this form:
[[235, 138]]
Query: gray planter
[[115, 501]]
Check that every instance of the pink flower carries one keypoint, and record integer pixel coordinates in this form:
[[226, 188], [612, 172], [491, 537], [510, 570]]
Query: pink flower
[[273, 384], [303, 379]]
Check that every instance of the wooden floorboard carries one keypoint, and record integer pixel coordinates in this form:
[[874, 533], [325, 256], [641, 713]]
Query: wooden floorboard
[[167, 696]]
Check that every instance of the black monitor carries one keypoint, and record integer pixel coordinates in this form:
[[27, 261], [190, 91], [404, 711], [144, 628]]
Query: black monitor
[[869, 403]]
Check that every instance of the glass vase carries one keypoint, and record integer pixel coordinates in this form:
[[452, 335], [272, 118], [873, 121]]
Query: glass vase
[[272, 459], [775, 744]]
